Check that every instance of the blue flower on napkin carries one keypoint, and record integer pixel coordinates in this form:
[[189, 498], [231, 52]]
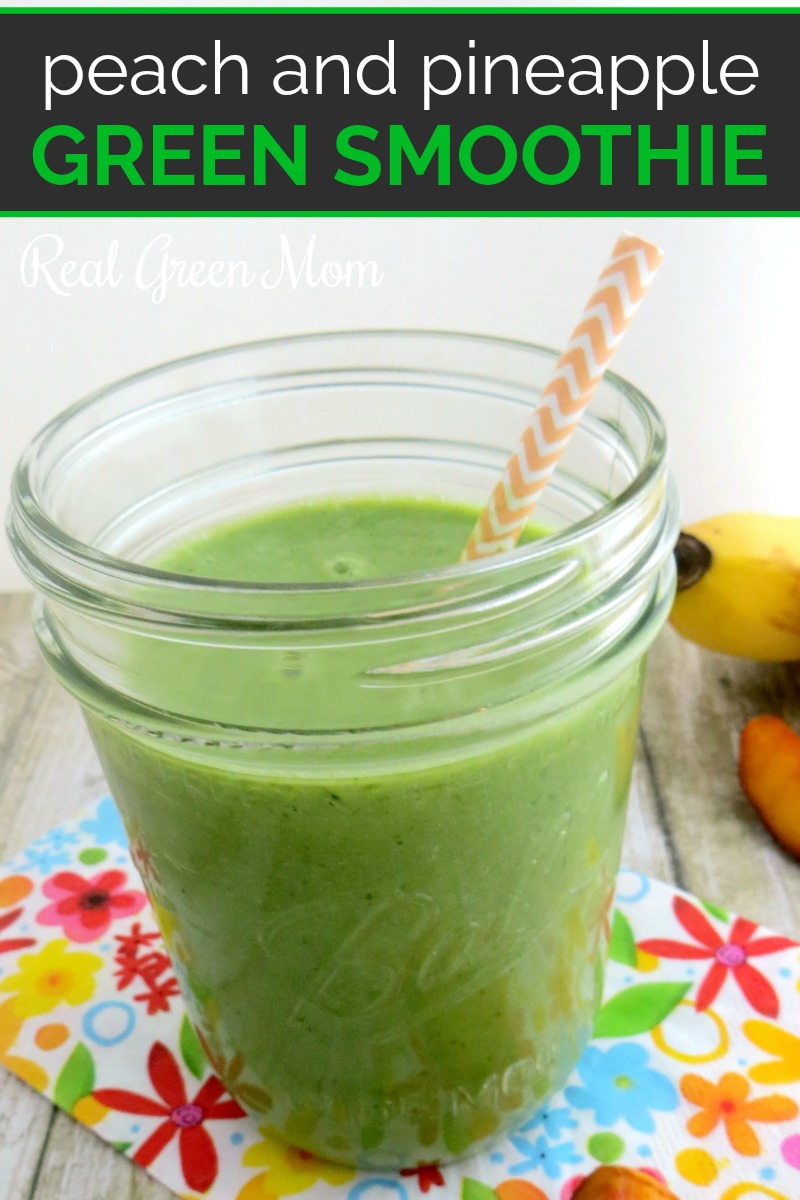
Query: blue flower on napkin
[[57, 839], [541, 1153], [554, 1122], [621, 1087], [42, 859], [106, 825]]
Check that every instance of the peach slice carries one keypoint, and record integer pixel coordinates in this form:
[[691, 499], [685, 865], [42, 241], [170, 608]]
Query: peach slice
[[622, 1183], [769, 772]]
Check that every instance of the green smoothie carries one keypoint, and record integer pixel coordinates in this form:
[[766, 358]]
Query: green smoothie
[[391, 954]]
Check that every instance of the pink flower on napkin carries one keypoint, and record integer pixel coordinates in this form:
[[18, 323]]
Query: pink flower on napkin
[[85, 908]]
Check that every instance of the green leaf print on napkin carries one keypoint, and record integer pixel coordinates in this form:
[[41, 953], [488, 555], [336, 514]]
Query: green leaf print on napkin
[[721, 913], [473, 1189], [75, 1080], [622, 947], [638, 1008], [191, 1050]]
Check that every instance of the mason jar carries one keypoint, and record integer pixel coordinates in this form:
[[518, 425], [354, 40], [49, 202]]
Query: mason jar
[[379, 821]]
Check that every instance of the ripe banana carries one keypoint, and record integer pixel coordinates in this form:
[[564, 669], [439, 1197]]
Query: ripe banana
[[739, 585]]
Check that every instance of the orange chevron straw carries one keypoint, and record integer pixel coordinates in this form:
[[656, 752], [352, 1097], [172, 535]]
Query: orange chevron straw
[[610, 310]]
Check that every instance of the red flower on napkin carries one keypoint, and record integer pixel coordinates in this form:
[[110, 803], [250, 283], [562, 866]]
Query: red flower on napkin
[[184, 1118], [8, 945], [428, 1176], [86, 907], [138, 958], [732, 956], [13, 889]]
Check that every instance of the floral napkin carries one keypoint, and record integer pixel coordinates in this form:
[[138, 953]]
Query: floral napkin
[[693, 1073]]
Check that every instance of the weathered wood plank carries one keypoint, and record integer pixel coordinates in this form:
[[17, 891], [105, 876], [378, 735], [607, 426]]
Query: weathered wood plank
[[647, 844], [25, 1121], [21, 671], [52, 771], [77, 1165]]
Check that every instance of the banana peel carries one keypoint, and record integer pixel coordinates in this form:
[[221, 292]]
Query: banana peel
[[739, 586]]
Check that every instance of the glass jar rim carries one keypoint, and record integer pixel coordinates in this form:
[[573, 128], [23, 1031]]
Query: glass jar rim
[[26, 504]]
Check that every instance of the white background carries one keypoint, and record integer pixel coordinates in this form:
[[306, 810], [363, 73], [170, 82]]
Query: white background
[[713, 347]]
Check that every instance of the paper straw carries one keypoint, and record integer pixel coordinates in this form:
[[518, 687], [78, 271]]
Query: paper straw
[[620, 290]]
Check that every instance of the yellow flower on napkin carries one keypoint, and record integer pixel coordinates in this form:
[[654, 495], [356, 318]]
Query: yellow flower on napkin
[[31, 1072], [10, 1025], [289, 1170], [780, 1043], [54, 975]]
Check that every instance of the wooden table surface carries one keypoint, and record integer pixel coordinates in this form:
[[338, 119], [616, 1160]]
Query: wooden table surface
[[689, 824]]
